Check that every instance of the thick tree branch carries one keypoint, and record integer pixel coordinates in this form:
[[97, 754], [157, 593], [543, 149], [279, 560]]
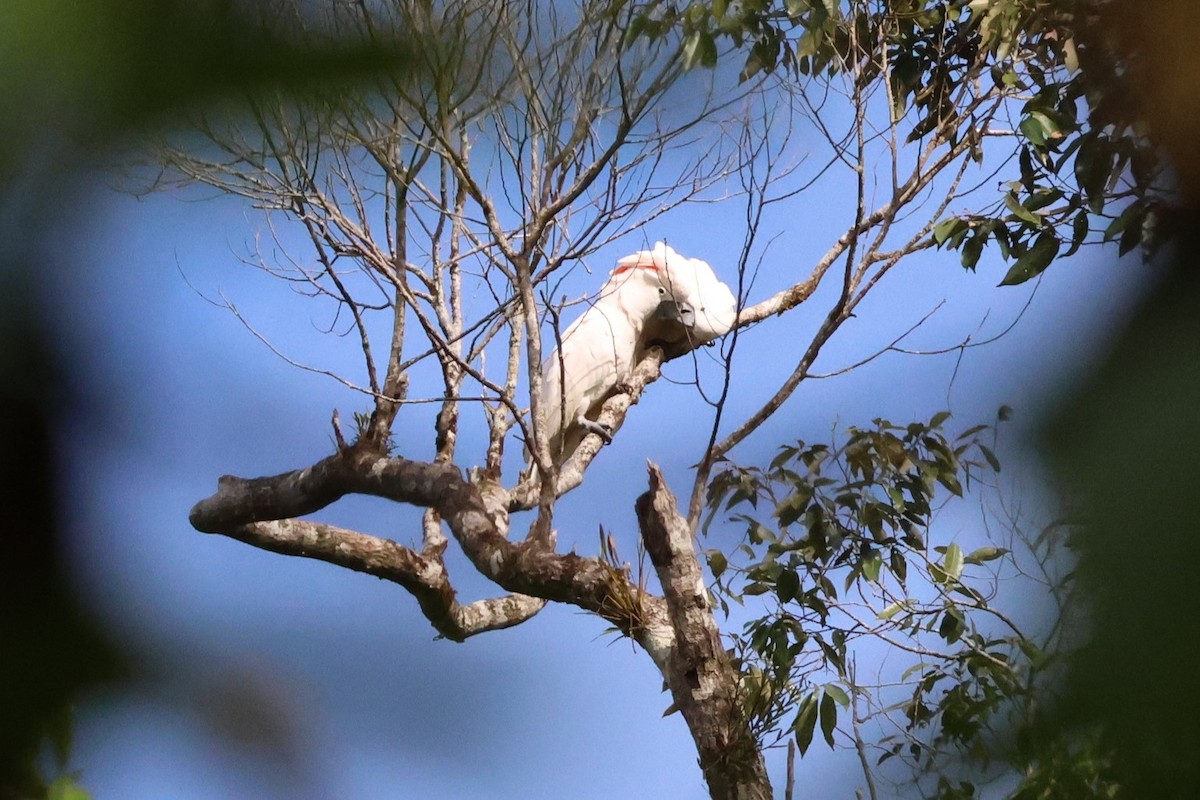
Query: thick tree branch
[[422, 574], [699, 674], [526, 568]]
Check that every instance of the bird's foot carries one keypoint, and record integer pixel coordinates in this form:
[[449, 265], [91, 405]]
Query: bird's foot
[[591, 426]]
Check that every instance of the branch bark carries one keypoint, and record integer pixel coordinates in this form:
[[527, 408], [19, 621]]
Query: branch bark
[[699, 674], [261, 511], [422, 574]]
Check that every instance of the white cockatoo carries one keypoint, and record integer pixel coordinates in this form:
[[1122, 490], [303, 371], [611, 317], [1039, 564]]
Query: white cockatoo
[[652, 297], [707, 307]]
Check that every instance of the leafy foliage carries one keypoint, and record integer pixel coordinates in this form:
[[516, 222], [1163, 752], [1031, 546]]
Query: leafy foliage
[[836, 544], [1087, 171]]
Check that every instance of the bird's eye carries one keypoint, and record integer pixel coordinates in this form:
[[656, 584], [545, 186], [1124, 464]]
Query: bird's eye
[[661, 290]]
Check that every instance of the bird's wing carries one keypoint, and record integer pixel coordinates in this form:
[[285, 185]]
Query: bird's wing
[[596, 353], [598, 349]]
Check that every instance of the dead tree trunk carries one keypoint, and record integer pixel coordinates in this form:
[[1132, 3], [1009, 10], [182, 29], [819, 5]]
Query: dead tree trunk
[[698, 671]]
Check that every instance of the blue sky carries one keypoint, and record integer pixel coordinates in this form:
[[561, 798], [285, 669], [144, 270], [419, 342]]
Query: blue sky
[[171, 392]]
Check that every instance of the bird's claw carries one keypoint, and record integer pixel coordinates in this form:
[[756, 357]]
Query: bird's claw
[[591, 426]]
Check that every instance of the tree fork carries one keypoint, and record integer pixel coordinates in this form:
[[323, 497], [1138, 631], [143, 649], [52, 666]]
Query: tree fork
[[261, 512]]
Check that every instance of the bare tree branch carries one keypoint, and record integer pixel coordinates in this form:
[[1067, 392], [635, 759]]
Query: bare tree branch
[[422, 574], [527, 568]]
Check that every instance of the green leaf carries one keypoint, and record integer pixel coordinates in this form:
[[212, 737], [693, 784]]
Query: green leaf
[[1020, 212], [797, 7], [65, 788], [971, 431], [699, 49], [895, 751], [871, 563], [832, 655], [971, 251], [984, 554], [1035, 260], [1028, 176], [1129, 225], [708, 51], [898, 564], [1093, 168], [1003, 238], [1033, 131], [1038, 658], [952, 562], [786, 454], [1130, 239], [1079, 232], [637, 27], [892, 610], [839, 694], [787, 585], [809, 43], [806, 722], [993, 462], [717, 562], [950, 480], [947, 228], [952, 626], [811, 600], [1042, 198], [1118, 225], [828, 718], [923, 128], [1050, 123], [758, 533], [793, 506], [967, 591]]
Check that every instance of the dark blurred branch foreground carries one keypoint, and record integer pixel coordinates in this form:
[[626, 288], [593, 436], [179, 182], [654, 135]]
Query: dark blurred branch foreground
[[447, 166], [1122, 446], [75, 80], [52, 650]]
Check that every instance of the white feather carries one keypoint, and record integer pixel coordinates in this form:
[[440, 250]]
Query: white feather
[[600, 348], [693, 281]]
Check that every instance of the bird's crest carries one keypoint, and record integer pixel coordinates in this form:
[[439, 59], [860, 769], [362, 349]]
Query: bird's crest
[[654, 260]]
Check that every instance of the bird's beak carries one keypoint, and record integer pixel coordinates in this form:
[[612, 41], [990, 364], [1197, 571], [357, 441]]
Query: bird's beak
[[675, 311]]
